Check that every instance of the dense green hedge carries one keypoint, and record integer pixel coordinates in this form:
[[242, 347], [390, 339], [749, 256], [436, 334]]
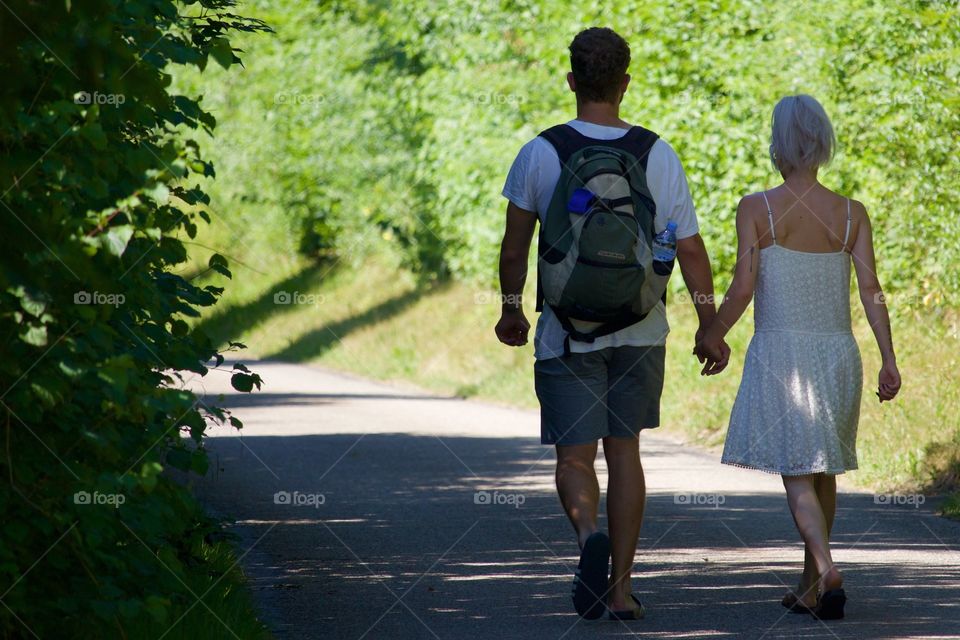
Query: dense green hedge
[[373, 126], [98, 196]]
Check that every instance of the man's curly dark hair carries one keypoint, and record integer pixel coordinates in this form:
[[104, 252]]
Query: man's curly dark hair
[[599, 58]]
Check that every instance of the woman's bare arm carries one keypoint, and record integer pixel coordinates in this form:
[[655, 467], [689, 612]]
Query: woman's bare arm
[[744, 277], [871, 293], [871, 296]]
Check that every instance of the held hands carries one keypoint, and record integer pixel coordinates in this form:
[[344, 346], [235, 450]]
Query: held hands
[[889, 381], [712, 352], [513, 327]]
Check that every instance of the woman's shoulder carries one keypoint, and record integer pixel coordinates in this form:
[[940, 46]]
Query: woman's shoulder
[[752, 204], [755, 198], [858, 211]]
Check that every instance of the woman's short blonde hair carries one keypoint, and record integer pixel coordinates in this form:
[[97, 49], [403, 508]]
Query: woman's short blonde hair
[[802, 136]]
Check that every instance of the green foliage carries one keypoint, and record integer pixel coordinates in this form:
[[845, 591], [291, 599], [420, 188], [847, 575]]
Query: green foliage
[[392, 125], [98, 192]]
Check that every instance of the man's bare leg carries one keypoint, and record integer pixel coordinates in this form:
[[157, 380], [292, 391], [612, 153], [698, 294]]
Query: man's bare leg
[[626, 499], [578, 487]]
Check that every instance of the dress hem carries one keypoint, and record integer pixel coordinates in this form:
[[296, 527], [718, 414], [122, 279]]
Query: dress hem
[[805, 472]]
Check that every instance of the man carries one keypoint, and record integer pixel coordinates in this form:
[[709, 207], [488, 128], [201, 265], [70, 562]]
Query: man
[[608, 389]]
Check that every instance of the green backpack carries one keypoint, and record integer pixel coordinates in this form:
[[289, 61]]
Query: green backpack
[[595, 257]]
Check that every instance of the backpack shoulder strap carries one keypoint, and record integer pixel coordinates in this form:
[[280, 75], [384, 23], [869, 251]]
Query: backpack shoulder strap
[[564, 139], [639, 141], [538, 307]]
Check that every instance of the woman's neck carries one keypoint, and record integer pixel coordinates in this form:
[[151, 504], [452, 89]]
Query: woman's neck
[[800, 180]]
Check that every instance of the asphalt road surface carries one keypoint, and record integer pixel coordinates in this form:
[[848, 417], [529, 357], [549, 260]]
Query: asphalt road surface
[[367, 510]]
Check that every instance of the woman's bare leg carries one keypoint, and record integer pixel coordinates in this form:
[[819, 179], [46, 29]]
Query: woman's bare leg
[[826, 486], [811, 520], [826, 489]]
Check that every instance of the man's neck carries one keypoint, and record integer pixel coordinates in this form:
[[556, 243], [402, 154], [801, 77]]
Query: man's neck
[[603, 113]]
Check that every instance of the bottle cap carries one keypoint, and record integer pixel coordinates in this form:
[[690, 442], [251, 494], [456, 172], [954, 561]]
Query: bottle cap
[[672, 226]]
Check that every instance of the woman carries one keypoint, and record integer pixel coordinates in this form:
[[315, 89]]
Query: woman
[[798, 405]]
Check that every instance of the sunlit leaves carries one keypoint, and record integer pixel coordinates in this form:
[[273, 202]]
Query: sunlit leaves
[[433, 99]]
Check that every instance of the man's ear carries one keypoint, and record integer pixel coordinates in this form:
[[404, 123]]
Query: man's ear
[[571, 82], [624, 85]]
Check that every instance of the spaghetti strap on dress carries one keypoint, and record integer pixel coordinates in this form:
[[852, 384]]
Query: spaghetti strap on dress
[[798, 405]]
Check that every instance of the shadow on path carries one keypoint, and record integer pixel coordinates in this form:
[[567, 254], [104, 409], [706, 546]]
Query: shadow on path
[[316, 399], [391, 539]]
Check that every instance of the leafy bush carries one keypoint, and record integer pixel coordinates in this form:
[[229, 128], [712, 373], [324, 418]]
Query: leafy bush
[[98, 187], [398, 121]]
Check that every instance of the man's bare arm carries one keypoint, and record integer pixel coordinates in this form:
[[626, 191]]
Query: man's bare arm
[[514, 252], [695, 268]]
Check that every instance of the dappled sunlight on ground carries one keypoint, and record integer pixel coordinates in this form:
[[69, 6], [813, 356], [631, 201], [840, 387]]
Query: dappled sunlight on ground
[[419, 516]]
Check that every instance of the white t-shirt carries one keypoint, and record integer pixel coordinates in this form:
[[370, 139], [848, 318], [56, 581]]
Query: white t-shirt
[[530, 186]]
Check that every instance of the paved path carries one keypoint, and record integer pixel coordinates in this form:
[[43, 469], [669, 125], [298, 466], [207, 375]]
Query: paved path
[[400, 547]]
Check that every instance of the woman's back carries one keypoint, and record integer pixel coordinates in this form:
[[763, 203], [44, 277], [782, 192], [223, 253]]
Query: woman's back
[[813, 220], [803, 279]]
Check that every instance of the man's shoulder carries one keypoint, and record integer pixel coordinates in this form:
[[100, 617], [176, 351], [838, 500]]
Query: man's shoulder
[[542, 137], [663, 157], [536, 149], [664, 148]]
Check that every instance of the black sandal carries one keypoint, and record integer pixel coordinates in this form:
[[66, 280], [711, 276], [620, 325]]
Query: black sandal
[[590, 580], [636, 613], [794, 604], [830, 605]]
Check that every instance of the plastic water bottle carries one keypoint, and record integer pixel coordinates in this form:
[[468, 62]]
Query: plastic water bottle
[[665, 249], [665, 243]]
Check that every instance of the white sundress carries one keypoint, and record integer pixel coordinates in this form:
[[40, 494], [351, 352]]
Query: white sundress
[[798, 404]]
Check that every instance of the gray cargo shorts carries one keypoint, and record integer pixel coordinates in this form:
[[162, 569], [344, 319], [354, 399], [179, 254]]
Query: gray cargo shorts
[[588, 396]]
